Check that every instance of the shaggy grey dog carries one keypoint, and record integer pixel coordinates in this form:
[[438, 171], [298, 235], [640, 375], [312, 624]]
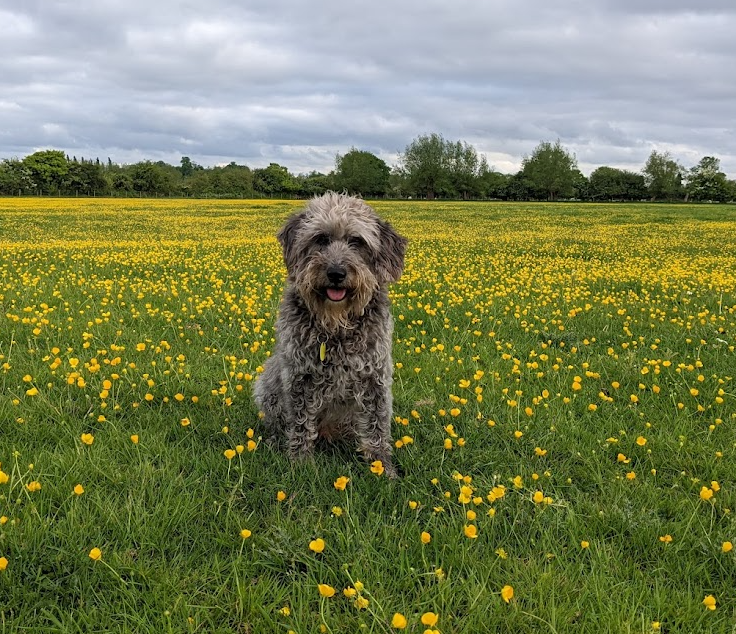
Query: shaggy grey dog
[[330, 373]]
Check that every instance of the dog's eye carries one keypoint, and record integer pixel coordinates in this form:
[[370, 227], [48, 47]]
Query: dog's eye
[[356, 241], [322, 240]]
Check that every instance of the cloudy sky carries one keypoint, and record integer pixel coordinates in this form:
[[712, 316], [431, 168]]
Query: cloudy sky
[[294, 82]]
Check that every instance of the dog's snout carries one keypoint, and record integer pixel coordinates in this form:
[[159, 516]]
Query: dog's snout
[[336, 273]]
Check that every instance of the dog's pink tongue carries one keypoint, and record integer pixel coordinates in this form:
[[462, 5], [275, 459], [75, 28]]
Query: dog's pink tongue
[[336, 294]]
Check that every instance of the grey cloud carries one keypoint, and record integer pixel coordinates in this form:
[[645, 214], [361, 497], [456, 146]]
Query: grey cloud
[[297, 82]]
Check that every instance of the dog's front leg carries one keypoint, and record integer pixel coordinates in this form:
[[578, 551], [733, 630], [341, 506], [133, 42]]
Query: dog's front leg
[[374, 427], [302, 419]]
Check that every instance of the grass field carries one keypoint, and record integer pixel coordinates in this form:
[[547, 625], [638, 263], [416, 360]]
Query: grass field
[[564, 413]]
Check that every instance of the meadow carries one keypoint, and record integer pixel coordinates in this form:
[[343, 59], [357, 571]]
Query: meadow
[[564, 405]]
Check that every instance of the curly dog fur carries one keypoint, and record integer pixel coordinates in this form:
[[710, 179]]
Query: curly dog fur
[[330, 373]]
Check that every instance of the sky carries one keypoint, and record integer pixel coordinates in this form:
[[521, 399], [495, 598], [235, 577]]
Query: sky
[[296, 82]]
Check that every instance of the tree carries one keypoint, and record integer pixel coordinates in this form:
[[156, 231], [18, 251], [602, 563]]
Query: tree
[[663, 176], [122, 183], [424, 162], [492, 184], [706, 181], [517, 188], [86, 178], [151, 178], [610, 183], [273, 180], [231, 181], [550, 172], [581, 186], [47, 168], [186, 166], [315, 183], [361, 172], [15, 178], [463, 166]]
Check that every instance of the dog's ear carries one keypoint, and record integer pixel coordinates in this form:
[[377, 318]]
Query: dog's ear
[[390, 258], [287, 238]]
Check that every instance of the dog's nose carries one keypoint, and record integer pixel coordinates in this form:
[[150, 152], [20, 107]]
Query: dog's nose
[[336, 273]]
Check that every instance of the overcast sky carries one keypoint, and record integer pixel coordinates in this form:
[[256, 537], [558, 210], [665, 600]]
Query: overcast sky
[[294, 82]]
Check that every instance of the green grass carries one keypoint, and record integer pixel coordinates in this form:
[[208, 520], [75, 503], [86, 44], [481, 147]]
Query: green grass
[[634, 300]]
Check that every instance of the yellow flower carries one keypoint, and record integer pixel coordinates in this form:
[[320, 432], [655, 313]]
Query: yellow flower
[[4, 564], [706, 494], [33, 486], [95, 554], [399, 621], [32, 392], [326, 590], [229, 453], [281, 496], [336, 511], [507, 593], [78, 490], [641, 441], [726, 547], [184, 422], [425, 537], [317, 545], [471, 531], [710, 602], [631, 475], [538, 497], [134, 439], [501, 552], [666, 539], [584, 544], [341, 483], [429, 619], [377, 467], [87, 439], [245, 533], [361, 603], [3, 477]]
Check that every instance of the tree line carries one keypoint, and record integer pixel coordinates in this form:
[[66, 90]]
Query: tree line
[[430, 167]]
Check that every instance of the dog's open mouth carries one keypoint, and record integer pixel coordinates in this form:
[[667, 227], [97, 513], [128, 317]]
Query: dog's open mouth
[[336, 294]]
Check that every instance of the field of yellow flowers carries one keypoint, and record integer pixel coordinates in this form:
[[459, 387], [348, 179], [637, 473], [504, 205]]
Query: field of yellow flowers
[[565, 410]]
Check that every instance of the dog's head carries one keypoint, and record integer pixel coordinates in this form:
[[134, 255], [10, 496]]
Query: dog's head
[[338, 252]]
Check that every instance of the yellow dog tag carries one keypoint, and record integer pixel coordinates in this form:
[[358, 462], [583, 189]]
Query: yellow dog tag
[[322, 351]]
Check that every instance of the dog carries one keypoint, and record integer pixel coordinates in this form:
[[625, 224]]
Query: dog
[[330, 374]]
